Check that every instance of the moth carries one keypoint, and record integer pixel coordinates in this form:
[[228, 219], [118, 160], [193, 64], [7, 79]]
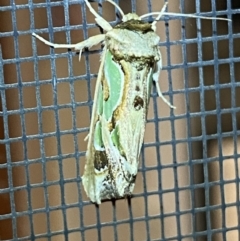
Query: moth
[[130, 62]]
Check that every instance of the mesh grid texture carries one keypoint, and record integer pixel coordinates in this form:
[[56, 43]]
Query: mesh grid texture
[[187, 186]]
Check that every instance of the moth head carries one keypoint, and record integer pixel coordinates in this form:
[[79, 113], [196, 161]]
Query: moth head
[[130, 16]]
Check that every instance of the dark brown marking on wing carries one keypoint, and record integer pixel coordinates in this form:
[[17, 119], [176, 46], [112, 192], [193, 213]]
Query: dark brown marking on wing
[[100, 160], [138, 102]]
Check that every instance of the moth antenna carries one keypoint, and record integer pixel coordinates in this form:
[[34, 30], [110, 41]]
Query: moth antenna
[[158, 17], [56, 46], [92, 10], [117, 7], [100, 21], [183, 15]]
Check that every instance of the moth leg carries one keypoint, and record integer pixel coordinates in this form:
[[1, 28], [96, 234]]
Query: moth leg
[[155, 79], [87, 137], [88, 43], [99, 20]]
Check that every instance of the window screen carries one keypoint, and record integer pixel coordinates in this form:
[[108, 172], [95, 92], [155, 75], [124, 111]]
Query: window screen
[[187, 187]]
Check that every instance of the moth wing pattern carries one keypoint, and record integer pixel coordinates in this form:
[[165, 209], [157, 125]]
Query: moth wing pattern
[[120, 109], [131, 60], [92, 181], [112, 162]]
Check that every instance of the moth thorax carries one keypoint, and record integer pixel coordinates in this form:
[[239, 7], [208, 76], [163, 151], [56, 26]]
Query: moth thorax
[[127, 44]]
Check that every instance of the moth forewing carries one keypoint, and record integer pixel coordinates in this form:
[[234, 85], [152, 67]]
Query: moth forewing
[[131, 60], [94, 140]]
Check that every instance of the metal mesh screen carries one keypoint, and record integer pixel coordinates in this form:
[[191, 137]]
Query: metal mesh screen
[[187, 186]]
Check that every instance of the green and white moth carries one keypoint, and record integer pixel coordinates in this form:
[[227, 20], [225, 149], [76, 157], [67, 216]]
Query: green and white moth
[[131, 60]]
